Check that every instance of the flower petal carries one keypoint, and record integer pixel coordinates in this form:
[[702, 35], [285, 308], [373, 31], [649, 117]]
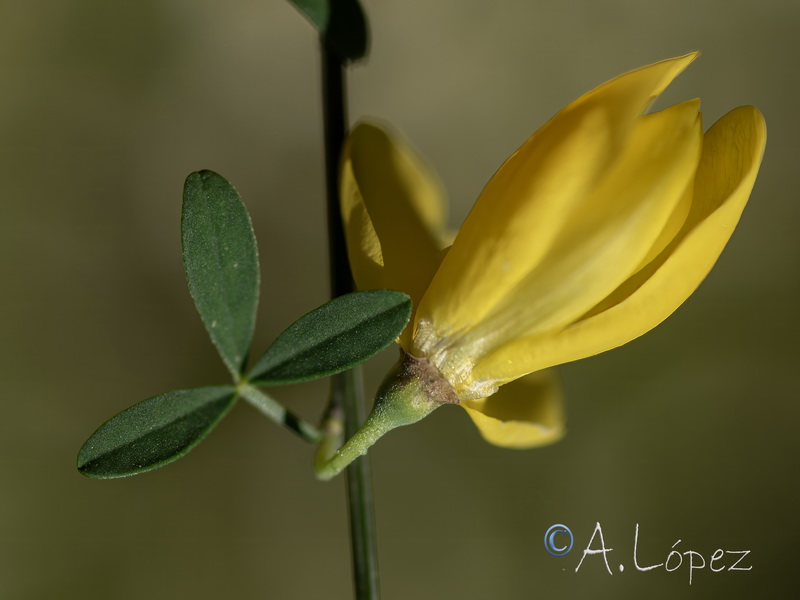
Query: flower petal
[[393, 209], [732, 152], [614, 229], [530, 201], [525, 413]]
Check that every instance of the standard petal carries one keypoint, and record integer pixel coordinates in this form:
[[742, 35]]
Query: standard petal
[[612, 231], [732, 152], [525, 413], [393, 209], [531, 199]]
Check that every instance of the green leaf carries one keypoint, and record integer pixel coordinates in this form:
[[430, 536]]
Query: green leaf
[[154, 432], [316, 11], [342, 23], [221, 264], [334, 337]]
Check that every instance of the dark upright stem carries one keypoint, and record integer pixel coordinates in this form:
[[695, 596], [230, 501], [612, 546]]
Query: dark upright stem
[[346, 392]]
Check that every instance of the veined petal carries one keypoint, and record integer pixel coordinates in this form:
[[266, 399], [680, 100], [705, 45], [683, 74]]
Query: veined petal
[[731, 155], [525, 413], [529, 201], [393, 209]]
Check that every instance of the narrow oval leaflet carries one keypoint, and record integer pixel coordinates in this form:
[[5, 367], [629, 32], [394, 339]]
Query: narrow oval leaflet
[[334, 337], [221, 263], [154, 432]]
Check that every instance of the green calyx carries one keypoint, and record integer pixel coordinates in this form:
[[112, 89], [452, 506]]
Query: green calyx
[[411, 391]]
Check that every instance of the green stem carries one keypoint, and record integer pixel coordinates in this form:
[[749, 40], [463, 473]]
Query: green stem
[[335, 124], [346, 393], [278, 413], [361, 507], [409, 393]]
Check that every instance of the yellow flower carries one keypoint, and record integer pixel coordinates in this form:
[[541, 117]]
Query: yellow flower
[[394, 214], [588, 236]]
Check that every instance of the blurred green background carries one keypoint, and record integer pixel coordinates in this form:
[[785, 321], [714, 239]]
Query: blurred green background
[[690, 431]]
